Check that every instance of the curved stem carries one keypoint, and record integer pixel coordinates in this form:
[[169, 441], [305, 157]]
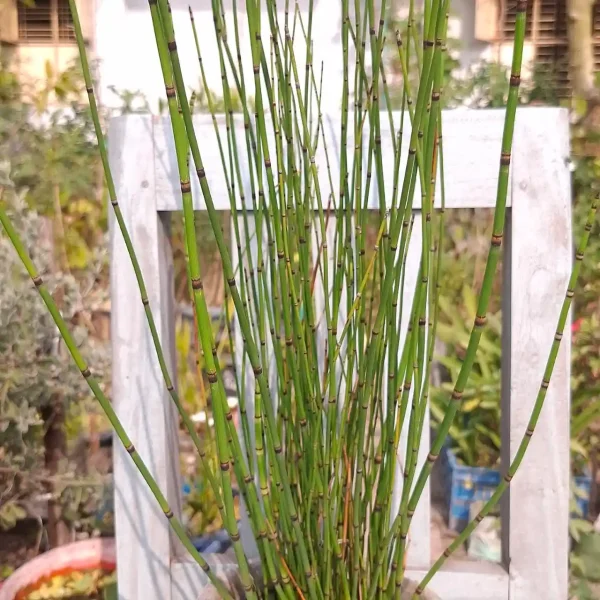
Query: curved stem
[[537, 407], [104, 401]]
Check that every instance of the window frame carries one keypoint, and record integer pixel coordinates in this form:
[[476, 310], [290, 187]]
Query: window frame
[[55, 38], [542, 43]]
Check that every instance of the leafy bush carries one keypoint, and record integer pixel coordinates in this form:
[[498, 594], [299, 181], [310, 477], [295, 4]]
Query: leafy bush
[[585, 380], [475, 436], [37, 382], [49, 137]]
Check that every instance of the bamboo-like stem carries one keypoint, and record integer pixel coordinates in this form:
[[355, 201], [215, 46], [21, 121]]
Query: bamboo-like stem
[[250, 345], [260, 524], [188, 423], [162, 27], [318, 302], [537, 407], [104, 401], [491, 264]]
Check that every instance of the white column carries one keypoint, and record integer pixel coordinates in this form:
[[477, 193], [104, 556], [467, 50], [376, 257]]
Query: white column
[[140, 397], [537, 255]]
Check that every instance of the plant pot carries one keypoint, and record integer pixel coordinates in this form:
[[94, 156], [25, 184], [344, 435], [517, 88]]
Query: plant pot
[[87, 555], [100, 553], [464, 486]]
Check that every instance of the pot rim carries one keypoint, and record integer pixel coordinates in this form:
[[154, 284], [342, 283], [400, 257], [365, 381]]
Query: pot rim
[[77, 556]]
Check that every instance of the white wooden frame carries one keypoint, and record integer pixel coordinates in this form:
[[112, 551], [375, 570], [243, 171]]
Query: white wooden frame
[[537, 263]]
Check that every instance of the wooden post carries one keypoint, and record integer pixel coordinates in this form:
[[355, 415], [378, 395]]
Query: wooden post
[[144, 548], [537, 263]]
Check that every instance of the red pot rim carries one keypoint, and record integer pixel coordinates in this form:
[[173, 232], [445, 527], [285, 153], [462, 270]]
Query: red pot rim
[[78, 556]]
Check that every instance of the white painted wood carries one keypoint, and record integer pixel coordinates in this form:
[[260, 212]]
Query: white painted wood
[[144, 547], [537, 259], [472, 140], [538, 253], [466, 580]]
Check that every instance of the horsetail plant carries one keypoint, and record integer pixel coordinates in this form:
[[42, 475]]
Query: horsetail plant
[[336, 379]]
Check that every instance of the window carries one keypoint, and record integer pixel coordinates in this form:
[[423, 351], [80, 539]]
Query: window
[[546, 20], [547, 30], [46, 21]]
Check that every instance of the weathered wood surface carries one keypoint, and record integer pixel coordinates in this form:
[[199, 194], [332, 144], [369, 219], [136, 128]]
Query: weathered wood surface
[[144, 545], [472, 140], [537, 261], [539, 248]]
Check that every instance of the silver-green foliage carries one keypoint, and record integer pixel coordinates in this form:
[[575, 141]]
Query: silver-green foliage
[[33, 367]]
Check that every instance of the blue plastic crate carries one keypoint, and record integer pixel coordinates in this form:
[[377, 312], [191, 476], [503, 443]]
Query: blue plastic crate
[[583, 483], [465, 485], [217, 542]]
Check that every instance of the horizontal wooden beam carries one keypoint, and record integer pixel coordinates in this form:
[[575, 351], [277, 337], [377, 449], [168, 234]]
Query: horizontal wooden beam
[[471, 140], [459, 580]]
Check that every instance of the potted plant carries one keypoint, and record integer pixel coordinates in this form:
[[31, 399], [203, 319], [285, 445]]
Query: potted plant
[[471, 457], [316, 466], [80, 570]]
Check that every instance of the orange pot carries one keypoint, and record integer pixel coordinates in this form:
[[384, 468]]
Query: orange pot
[[87, 555]]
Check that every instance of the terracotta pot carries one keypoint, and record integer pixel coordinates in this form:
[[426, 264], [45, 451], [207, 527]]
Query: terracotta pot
[[79, 556], [100, 553]]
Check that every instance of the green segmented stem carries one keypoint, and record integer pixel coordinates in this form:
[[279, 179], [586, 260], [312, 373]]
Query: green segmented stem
[[260, 524], [188, 423], [491, 263], [420, 392], [162, 26], [537, 407], [104, 401], [250, 345]]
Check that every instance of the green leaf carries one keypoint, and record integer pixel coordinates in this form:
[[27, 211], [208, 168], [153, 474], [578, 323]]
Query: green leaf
[[490, 404], [492, 435], [452, 364], [110, 592], [470, 300], [437, 412], [588, 551], [578, 448], [471, 405]]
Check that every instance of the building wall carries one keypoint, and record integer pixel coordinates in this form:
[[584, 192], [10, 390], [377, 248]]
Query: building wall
[[128, 58], [30, 58], [461, 26]]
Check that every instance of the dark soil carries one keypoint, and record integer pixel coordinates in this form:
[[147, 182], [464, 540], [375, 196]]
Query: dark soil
[[19, 545]]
